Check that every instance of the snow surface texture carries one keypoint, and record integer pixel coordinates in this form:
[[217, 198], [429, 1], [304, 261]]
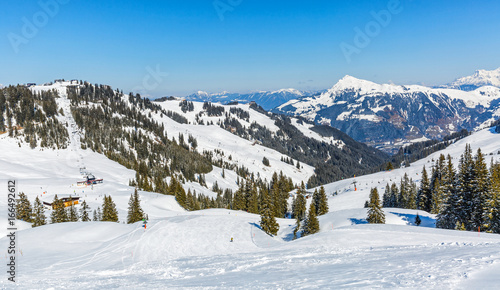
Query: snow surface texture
[[193, 249]]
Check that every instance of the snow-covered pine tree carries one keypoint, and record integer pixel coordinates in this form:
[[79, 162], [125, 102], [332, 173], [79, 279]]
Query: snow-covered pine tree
[[311, 224], [481, 186], [424, 193], [491, 205], [135, 212], [23, 208], [268, 222], [109, 212], [38, 216], [375, 213], [84, 212], [322, 206]]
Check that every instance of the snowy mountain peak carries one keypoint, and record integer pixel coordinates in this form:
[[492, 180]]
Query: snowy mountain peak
[[286, 91], [480, 78]]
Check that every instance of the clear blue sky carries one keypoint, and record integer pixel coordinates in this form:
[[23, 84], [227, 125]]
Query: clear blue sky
[[256, 45]]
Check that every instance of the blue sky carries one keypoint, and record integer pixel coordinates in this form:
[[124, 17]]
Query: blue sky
[[244, 45]]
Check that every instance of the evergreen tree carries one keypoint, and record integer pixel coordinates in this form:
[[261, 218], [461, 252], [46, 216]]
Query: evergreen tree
[[23, 208], [448, 216], [465, 189], [481, 186], [299, 208], [72, 214], [418, 220], [58, 214], [84, 212], [375, 213], [268, 222], [109, 212], [424, 193], [491, 205], [252, 199], [394, 195], [38, 216], [311, 224], [322, 205], [386, 197], [135, 212], [297, 229]]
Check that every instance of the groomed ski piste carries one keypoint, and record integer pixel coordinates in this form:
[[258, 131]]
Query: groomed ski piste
[[181, 249]]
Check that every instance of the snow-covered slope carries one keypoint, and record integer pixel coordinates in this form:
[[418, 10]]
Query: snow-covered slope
[[384, 114], [183, 249]]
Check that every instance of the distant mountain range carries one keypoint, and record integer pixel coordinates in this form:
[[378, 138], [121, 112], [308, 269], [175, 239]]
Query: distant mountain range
[[480, 78], [388, 116], [266, 99]]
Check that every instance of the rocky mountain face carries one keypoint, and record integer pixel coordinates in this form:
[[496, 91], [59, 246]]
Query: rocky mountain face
[[387, 116]]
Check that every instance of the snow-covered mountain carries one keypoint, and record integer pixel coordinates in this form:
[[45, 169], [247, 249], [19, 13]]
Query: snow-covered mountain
[[479, 79], [266, 99], [388, 115]]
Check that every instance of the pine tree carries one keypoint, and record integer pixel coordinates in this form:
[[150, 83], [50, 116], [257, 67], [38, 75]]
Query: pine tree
[[491, 205], [109, 212], [322, 205], [418, 220], [252, 199], [481, 186], [424, 193], [386, 197], [375, 213], [38, 216], [311, 224], [268, 222], [297, 229], [465, 188], [23, 208], [299, 207], [72, 214], [58, 214], [84, 212], [135, 212], [448, 216], [315, 199]]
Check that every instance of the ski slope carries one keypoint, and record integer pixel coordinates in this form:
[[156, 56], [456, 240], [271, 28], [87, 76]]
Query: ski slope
[[182, 249]]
